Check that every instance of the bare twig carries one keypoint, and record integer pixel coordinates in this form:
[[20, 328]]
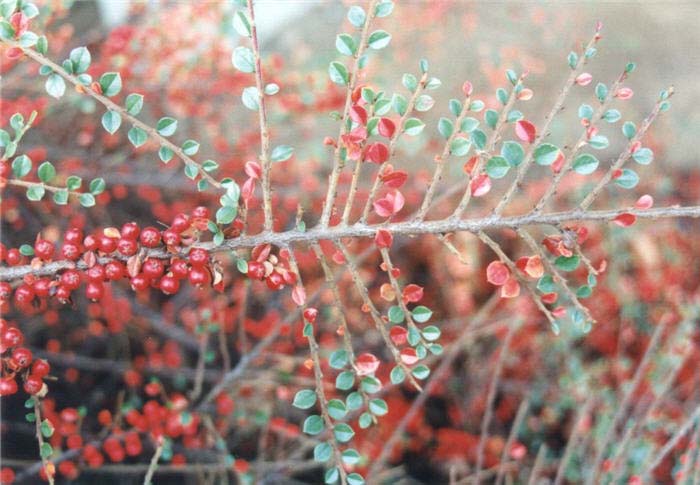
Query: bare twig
[[153, 465]]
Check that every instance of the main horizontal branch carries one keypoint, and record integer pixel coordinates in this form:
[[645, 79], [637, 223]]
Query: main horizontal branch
[[410, 228]]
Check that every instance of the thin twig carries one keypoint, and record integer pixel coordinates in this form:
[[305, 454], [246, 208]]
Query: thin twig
[[153, 465], [512, 436]]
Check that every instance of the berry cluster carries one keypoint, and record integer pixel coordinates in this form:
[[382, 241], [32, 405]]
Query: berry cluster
[[18, 361]]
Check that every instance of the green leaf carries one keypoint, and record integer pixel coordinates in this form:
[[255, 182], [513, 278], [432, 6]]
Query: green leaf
[[345, 380], [546, 284], [357, 16], [322, 452], [365, 420], [6, 30], [243, 59], [601, 92], [87, 200], [371, 385], [338, 73], [399, 104], [304, 399], [281, 153], [585, 164], [338, 359], [28, 39], [585, 111], [476, 106], [46, 428], [21, 166], [46, 171], [469, 124], [190, 147], [36, 192], [420, 372], [45, 451], [431, 333], [313, 425], [628, 179], [643, 156], [271, 89], [209, 165], [165, 154], [455, 107], [111, 83], [355, 479], [73, 182], [409, 81], [137, 136], [584, 291], [514, 115], [413, 126], [350, 457], [445, 127], [565, 263], [55, 86], [397, 375], [629, 129], [331, 476], [479, 139], [546, 154], [599, 142], [572, 59], [60, 197], [191, 171], [513, 152], [424, 102], [26, 250], [396, 314], [336, 409], [491, 118], [379, 39], [111, 121], [80, 58], [497, 167], [343, 433], [384, 8], [612, 115], [251, 98], [502, 95], [97, 186], [354, 401], [421, 314], [166, 126], [460, 146], [378, 407], [226, 214], [241, 23], [345, 44], [134, 103]]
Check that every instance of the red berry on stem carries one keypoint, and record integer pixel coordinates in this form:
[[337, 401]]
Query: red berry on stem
[[150, 237]]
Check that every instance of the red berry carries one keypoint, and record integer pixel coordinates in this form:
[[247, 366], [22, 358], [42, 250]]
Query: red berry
[[169, 285], [130, 230], [199, 276], [14, 257], [5, 291], [256, 270], [71, 279], [24, 295], [198, 257], [127, 247], [21, 357], [63, 292], [33, 384], [171, 238], [179, 268], [96, 273], [7, 475], [41, 368], [201, 212], [73, 236], [44, 249], [95, 290], [153, 268], [140, 282], [107, 244], [42, 287], [8, 386], [70, 251], [181, 223], [91, 243], [150, 237], [275, 281], [114, 270], [12, 337]]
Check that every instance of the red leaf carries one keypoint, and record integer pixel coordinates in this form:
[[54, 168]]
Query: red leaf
[[481, 185], [497, 273], [338, 257], [467, 88], [469, 164], [525, 130], [399, 335], [510, 289], [624, 93], [390, 204], [383, 239], [358, 114], [409, 356], [395, 179], [366, 364], [558, 163], [386, 127], [625, 220], [534, 267], [549, 298], [253, 170], [525, 94], [248, 189], [584, 79], [644, 202], [377, 153], [299, 295], [412, 293]]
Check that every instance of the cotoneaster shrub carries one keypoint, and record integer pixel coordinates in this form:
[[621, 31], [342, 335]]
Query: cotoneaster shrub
[[319, 314]]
